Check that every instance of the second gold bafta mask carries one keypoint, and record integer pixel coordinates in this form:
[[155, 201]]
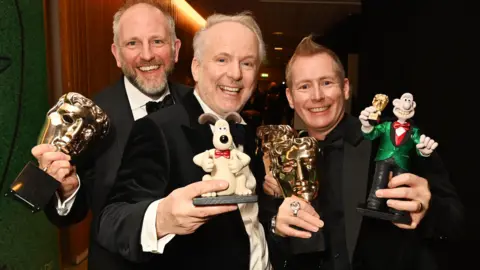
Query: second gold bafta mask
[[269, 135], [294, 167]]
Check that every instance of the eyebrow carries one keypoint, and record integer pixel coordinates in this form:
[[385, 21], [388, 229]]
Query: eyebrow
[[317, 79]]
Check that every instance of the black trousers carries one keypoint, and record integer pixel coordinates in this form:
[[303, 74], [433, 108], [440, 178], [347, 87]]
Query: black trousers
[[381, 178]]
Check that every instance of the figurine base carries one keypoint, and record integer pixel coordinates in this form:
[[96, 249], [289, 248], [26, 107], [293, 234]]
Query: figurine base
[[385, 215], [218, 200], [33, 187], [316, 243]]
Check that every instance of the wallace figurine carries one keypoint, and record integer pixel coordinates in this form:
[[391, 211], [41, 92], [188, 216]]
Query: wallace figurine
[[398, 140]]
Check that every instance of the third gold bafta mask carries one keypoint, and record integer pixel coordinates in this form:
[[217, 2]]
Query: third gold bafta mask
[[380, 101], [294, 167], [73, 123], [269, 135]]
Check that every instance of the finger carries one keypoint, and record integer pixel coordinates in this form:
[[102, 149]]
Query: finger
[[404, 179], [39, 150], [198, 188], [365, 113], [310, 219], [289, 231], [363, 117], [371, 109], [59, 164], [426, 141], [412, 226], [310, 210], [396, 193], [430, 143], [208, 211], [268, 190], [49, 157], [60, 174], [434, 146], [420, 146], [272, 185], [298, 222], [410, 206]]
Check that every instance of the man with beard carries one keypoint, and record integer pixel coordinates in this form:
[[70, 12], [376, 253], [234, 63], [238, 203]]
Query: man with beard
[[145, 48]]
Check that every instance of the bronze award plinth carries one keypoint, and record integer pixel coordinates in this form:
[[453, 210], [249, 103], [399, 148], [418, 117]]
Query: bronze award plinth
[[72, 125], [294, 166]]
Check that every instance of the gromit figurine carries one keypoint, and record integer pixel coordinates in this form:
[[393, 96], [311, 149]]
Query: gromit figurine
[[397, 141], [224, 162]]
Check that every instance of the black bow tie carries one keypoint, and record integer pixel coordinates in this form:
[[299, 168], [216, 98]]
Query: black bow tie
[[238, 133], [153, 106]]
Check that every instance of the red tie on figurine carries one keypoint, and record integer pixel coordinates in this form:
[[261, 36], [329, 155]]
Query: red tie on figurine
[[222, 153], [399, 136]]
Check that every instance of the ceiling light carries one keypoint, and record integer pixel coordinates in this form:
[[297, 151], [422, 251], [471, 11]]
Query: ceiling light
[[278, 48], [189, 11], [277, 33]]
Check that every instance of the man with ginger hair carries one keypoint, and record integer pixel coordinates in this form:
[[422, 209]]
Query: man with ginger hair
[[318, 91]]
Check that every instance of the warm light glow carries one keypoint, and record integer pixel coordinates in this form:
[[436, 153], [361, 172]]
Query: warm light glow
[[17, 187], [189, 11], [264, 75], [278, 48], [278, 33]]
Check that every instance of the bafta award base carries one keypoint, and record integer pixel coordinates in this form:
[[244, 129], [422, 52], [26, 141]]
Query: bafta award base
[[403, 218], [33, 187], [316, 243], [219, 200]]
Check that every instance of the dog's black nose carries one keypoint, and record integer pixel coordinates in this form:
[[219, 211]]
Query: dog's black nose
[[224, 139]]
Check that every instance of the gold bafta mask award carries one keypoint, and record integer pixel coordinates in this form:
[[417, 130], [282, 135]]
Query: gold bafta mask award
[[72, 125], [294, 167], [269, 135], [380, 101]]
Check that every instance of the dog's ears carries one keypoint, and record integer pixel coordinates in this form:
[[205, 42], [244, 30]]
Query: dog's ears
[[207, 118], [233, 117]]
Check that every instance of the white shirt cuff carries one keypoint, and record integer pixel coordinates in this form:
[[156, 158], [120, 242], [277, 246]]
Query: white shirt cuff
[[63, 208], [148, 236]]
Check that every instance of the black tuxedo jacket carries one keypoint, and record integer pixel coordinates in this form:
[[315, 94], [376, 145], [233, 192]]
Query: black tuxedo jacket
[[97, 170], [376, 244], [158, 159]]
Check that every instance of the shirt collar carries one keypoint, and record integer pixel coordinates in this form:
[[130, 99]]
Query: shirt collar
[[207, 109], [138, 99]]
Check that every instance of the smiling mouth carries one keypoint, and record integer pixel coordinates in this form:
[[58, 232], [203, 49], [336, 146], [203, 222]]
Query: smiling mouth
[[149, 68], [228, 89], [403, 112], [319, 109]]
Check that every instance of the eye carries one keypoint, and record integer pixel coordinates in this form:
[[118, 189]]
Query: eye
[[67, 119], [131, 43], [303, 86]]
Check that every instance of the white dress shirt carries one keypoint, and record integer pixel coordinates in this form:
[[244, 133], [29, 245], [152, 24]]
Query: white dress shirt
[[249, 211], [138, 101]]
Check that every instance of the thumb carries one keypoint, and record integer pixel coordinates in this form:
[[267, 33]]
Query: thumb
[[202, 187]]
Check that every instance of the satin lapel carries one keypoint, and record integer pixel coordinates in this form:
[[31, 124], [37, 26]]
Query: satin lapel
[[356, 165], [122, 116]]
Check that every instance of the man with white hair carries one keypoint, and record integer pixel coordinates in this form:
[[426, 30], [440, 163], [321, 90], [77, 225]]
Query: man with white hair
[[146, 49], [150, 216]]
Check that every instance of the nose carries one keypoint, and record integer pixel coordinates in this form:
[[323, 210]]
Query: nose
[[146, 53], [407, 105], [224, 139], [317, 93], [234, 71]]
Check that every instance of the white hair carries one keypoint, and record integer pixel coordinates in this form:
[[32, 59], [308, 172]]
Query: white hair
[[245, 18], [121, 11]]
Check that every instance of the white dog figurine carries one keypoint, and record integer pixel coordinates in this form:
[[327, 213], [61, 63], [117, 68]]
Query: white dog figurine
[[224, 162]]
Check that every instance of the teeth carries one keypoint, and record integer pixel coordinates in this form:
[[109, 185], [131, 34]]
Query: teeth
[[319, 109], [149, 68], [229, 89], [402, 112]]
